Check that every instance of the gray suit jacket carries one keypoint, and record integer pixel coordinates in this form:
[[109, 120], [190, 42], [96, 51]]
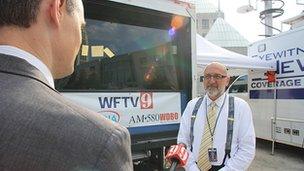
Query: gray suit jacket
[[42, 130]]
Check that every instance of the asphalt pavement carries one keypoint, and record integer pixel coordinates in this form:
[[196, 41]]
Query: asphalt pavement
[[285, 158]]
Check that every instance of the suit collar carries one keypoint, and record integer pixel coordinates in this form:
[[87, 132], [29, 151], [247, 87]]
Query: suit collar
[[18, 66], [30, 58]]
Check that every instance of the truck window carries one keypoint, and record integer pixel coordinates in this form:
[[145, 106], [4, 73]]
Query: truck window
[[240, 85], [122, 55]]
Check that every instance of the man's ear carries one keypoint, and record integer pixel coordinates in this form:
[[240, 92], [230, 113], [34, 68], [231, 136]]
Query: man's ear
[[56, 8]]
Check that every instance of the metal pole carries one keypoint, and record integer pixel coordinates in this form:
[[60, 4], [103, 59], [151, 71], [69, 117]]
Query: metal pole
[[219, 8], [268, 19], [274, 125], [219, 5]]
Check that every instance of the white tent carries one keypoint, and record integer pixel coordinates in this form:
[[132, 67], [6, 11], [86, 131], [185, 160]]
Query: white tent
[[208, 52]]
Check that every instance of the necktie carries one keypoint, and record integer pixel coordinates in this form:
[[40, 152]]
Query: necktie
[[203, 159]]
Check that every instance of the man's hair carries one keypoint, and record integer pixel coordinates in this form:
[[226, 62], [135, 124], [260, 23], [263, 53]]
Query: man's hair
[[23, 13]]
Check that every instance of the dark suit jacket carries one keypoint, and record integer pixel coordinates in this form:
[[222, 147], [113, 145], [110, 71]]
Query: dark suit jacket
[[42, 130]]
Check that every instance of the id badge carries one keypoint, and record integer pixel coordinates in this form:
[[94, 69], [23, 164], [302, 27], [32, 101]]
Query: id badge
[[212, 154]]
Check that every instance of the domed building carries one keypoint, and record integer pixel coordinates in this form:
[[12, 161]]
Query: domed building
[[211, 24]]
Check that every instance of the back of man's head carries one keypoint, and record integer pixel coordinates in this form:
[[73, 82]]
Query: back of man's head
[[48, 29], [23, 13]]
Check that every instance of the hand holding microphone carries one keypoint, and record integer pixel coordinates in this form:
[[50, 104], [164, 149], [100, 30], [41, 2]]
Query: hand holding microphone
[[177, 155]]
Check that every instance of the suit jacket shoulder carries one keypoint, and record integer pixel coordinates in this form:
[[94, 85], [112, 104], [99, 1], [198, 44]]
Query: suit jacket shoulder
[[42, 130]]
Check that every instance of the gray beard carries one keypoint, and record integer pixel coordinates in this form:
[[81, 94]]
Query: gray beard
[[214, 92]]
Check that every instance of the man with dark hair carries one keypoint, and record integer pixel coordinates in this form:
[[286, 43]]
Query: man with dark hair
[[39, 128]]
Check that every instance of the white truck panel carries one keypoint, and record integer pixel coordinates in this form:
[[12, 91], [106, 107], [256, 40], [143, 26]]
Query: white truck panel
[[286, 53]]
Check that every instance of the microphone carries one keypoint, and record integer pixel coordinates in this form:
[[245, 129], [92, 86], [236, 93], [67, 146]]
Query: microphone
[[177, 156], [173, 165]]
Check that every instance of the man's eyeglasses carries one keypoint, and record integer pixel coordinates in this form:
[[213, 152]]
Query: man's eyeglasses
[[215, 76]]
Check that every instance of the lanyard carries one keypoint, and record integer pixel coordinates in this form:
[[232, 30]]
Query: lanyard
[[221, 108]]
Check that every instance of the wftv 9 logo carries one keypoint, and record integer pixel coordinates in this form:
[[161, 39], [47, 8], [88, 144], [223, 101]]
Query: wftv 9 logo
[[146, 100]]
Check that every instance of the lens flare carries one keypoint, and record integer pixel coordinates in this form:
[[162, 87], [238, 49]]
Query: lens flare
[[177, 22], [148, 74], [171, 32]]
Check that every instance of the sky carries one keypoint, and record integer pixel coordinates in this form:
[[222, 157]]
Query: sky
[[248, 24]]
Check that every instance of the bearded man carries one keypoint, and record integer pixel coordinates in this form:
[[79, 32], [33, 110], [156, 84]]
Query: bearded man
[[217, 129]]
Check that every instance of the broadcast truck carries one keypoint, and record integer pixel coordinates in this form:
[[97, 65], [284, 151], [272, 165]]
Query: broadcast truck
[[277, 96], [135, 67]]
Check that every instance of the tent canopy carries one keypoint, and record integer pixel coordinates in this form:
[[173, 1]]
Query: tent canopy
[[208, 52]]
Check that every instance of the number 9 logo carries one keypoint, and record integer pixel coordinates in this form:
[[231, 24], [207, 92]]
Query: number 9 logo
[[146, 100]]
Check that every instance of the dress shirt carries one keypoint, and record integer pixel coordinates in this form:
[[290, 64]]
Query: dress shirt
[[243, 140], [16, 52]]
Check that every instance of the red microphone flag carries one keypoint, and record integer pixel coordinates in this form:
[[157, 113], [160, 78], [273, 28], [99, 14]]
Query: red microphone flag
[[178, 153]]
